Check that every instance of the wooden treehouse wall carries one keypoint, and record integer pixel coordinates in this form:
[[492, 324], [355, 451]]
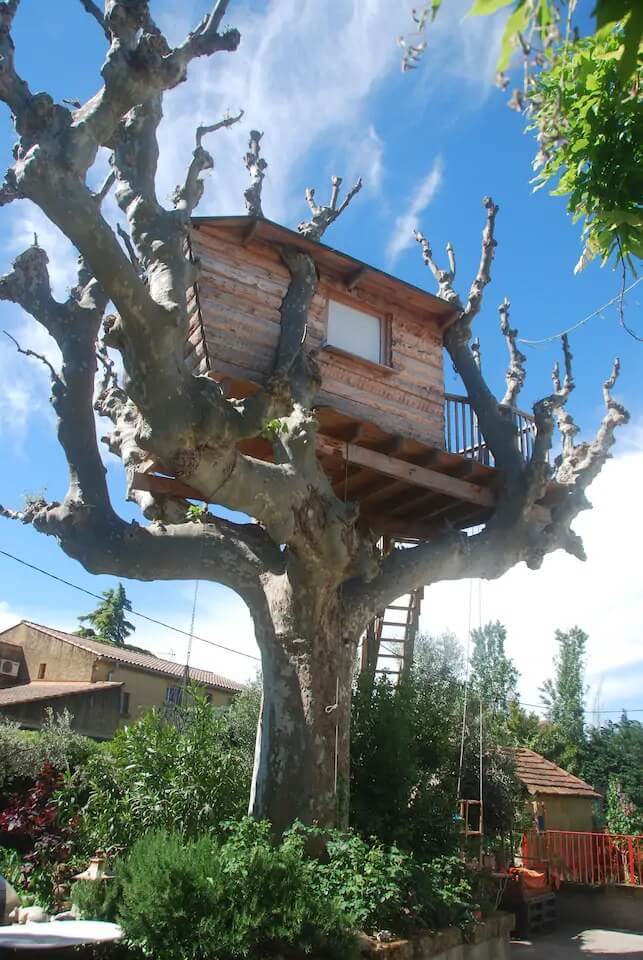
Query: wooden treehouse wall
[[235, 326]]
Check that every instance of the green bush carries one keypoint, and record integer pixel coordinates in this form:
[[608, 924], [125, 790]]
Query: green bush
[[249, 896], [245, 896], [188, 777], [24, 753], [383, 887], [372, 882], [97, 899]]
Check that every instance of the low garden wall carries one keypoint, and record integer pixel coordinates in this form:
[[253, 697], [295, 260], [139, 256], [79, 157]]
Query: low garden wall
[[618, 906], [487, 941]]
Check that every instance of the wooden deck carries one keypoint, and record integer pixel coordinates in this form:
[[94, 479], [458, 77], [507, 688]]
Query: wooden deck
[[405, 488]]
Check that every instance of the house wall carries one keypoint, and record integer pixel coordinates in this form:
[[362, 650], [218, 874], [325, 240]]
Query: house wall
[[93, 714], [240, 293], [146, 690], [566, 812], [66, 662], [62, 661]]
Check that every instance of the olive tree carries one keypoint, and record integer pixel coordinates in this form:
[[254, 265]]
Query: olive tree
[[311, 576]]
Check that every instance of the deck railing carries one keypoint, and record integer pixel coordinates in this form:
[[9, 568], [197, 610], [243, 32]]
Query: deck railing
[[462, 433], [590, 858]]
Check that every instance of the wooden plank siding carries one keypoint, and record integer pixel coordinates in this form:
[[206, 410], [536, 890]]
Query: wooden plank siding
[[234, 333]]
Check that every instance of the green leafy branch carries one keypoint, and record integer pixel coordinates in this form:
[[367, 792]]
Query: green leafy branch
[[272, 430]]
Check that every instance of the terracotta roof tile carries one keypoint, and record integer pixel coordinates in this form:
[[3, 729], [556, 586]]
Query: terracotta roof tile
[[51, 689], [143, 661], [543, 776]]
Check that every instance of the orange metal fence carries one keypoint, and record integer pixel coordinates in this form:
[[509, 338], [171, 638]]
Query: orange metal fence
[[592, 858]]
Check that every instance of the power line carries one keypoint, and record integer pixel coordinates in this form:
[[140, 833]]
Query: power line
[[221, 646], [541, 706], [575, 326], [136, 613]]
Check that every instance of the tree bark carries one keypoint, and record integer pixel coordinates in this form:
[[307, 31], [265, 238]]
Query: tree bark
[[302, 752]]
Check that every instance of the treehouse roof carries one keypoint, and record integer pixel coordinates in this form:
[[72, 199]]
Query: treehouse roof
[[349, 270]]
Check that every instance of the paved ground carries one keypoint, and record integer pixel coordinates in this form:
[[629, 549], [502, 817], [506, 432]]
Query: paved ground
[[571, 943]]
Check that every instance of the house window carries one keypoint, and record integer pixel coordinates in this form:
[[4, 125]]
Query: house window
[[124, 703], [358, 332], [173, 695], [41, 671]]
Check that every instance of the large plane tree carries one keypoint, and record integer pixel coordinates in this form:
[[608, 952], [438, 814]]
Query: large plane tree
[[311, 577]]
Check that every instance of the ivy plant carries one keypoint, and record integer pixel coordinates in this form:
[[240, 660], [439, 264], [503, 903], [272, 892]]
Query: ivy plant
[[589, 124]]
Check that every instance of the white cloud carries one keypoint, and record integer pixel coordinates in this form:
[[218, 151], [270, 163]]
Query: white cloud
[[367, 159], [408, 221], [304, 73], [602, 595]]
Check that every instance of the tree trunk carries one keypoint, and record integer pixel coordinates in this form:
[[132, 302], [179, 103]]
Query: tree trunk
[[302, 753]]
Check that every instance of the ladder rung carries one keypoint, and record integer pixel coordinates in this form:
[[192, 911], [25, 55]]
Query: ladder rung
[[396, 607], [391, 656], [394, 623]]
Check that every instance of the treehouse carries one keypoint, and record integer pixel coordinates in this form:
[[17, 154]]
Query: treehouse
[[390, 438]]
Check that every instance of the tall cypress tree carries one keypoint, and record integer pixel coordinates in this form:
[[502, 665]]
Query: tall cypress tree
[[564, 697], [108, 621]]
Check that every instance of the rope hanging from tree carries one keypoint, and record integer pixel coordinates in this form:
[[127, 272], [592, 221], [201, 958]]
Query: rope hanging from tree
[[463, 804], [186, 672]]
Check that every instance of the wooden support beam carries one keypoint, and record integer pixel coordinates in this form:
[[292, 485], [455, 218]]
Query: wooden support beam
[[170, 486], [410, 472]]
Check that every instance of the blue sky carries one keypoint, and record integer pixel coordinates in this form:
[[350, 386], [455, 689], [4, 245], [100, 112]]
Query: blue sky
[[323, 82]]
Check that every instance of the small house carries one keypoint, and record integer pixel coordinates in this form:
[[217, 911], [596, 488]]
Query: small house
[[556, 799], [390, 437], [102, 685]]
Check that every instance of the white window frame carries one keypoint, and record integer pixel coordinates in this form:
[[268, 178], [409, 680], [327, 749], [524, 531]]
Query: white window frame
[[352, 310]]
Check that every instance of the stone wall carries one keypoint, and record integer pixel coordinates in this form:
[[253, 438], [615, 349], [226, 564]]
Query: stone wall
[[618, 906], [487, 941]]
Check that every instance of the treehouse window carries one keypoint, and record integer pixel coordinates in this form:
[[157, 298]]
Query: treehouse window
[[358, 332]]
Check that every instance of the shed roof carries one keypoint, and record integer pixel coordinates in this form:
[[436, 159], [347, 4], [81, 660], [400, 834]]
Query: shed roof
[[51, 689], [349, 269], [139, 660], [542, 776]]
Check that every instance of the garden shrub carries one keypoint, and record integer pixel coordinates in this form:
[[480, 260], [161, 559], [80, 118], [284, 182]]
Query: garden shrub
[[187, 776], [22, 752], [243, 896], [97, 899], [29, 824], [384, 887]]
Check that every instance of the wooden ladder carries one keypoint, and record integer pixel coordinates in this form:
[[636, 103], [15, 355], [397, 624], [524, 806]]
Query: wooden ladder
[[389, 641]]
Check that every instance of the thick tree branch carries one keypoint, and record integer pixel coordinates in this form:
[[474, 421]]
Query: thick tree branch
[[323, 216], [483, 276], [516, 373], [74, 326], [188, 196], [256, 167], [93, 10], [13, 89], [497, 427], [445, 278]]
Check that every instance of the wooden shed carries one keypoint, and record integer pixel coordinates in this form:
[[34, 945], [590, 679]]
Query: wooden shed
[[557, 800], [390, 437]]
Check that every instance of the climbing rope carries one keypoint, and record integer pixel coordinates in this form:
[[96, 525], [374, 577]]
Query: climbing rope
[[465, 812], [466, 694], [186, 672]]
